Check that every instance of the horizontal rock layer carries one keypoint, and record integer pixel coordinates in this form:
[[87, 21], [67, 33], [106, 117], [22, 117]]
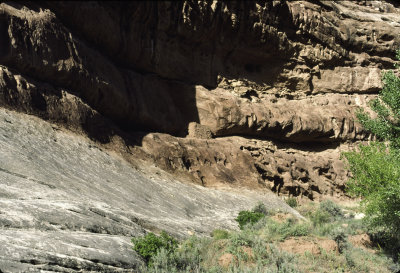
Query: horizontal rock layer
[[292, 72], [253, 94], [286, 72]]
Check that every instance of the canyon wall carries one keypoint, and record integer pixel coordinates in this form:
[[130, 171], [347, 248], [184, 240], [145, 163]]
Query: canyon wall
[[255, 94]]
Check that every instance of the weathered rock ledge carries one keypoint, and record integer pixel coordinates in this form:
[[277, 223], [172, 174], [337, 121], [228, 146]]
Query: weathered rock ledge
[[285, 73], [248, 97]]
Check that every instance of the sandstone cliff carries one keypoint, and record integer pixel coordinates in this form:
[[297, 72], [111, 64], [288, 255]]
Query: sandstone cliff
[[285, 77], [255, 95]]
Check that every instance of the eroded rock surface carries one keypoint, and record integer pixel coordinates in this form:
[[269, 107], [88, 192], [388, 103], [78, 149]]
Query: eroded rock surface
[[253, 94], [283, 71], [67, 204]]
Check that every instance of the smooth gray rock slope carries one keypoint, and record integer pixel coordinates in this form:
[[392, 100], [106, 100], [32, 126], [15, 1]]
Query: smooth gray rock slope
[[68, 205]]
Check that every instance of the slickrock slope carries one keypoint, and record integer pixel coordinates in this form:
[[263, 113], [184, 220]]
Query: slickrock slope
[[66, 204]]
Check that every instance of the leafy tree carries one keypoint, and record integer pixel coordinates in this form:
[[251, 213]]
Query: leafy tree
[[386, 126], [376, 178], [375, 167]]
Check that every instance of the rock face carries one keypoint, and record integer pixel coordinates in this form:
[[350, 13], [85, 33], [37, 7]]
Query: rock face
[[285, 73], [289, 73], [67, 204], [252, 94]]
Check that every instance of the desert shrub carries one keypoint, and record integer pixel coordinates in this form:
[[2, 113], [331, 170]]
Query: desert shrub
[[281, 260], [320, 217], [148, 245], [260, 224], [298, 230], [327, 212], [218, 234], [340, 237], [248, 217], [190, 255], [162, 261], [243, 238], [275, 231], [187, 258], [260, 208], [292, 228], [292, 202], [332, 208], [349, 259]]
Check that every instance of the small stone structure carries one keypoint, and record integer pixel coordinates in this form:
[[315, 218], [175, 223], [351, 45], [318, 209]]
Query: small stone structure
[[196, 130]]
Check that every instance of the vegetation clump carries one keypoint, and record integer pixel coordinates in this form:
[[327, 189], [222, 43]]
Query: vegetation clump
[[375, 167], [264, 246], [292, 202], [246, 217], [148, 246]]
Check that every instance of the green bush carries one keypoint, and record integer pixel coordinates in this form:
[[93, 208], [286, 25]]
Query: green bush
[[248, 217], [218, 234], [242, 238], [187, 258], [292, 228], [332, 209], [327, 212], [320, 217], [251, 217], [376, 167], [340, 237], [376, 178], [292, 202], [148, 246], [298, 230], [260, 208]]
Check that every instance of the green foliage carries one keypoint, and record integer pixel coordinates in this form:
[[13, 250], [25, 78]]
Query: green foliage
[[292, 202], [320, 217], [376, 178], [186, 258], [332, 209], [219, 234], [148, 246], [376, 167], [340, 237], [327, 212], [248, 217], [260, 208], [386, 126], [197, 254]]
